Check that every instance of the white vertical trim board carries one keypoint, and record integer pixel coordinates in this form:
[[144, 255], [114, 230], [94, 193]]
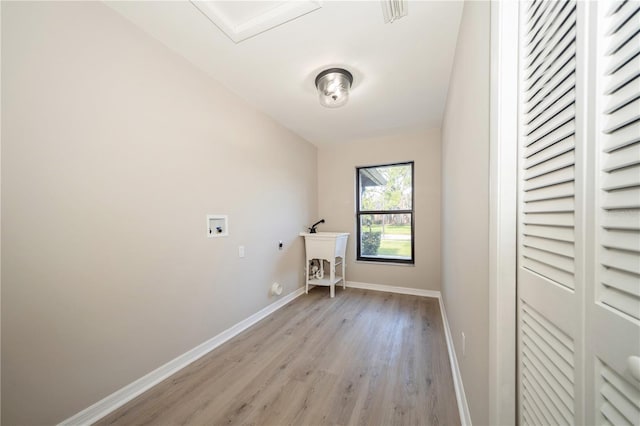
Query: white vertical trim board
[[461, 399], [0, 211], [503, 178], [120, 397]]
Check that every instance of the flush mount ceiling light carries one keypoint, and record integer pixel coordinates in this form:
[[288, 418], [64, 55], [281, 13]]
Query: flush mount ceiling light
[[333, 87], [393, 10]]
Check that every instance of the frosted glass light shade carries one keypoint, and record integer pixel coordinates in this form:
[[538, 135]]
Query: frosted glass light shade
[[333, 87]]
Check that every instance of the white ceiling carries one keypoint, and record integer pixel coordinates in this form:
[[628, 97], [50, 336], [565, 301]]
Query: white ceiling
[[401, 70]]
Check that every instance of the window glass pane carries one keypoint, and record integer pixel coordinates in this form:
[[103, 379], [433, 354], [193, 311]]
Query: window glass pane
[[385, 236], [385, 188]]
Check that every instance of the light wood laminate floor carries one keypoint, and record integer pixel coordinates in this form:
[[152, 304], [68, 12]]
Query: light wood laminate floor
[[362, 358]]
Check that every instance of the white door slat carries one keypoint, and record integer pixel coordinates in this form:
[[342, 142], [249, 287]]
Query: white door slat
[[551, 83], [530, 419], [623, 96], [621, 219], [627, 199], [540, 32], [538, 401], [628, 262], [625, 115], [565, 59], [535, 9], [551, 335], [621, 137], [622, 178], [621, 240], [537, 35], [541, 99], [532, 406], [559, 262], [556, 117], [625, 53], [556, 59], [562, 190], [550, 232], [554, 28], [535, 21], [551, 362], [620, 71], [622, 281], [625, 157], [613, 7], [620, 301], [552, 219], [562, 278], [553, 105], [622, 395], [613, 415], [565, 48], [535, 402], [553, 246], [566, 174], [527, 419], [559, 398], [626, 28], [550, 403], [550, 206], [623, 405], [532, 8], [621, 385], [563, 132], [552, 164], [554, 150], [562, 40], [615, 21]]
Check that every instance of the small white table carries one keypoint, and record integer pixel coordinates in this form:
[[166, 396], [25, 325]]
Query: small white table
[[326, 246]]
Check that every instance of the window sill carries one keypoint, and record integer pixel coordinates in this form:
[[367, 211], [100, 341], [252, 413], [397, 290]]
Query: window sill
[[379, 262]]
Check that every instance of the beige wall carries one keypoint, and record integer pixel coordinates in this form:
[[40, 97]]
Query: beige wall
[[113, 151], [336, 201], [465, 205]]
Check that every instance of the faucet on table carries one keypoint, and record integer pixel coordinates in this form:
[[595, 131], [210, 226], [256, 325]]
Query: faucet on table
[[313, 230]]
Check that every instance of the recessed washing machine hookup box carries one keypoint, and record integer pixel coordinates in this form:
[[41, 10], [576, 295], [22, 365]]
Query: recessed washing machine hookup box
[[217, 225]]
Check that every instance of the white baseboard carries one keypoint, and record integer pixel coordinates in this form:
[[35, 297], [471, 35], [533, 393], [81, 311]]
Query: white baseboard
[[463, 407], [393, 289], [120, 397]]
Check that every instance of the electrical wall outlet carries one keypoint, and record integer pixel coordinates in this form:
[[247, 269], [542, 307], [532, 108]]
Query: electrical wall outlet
[[464, 345]]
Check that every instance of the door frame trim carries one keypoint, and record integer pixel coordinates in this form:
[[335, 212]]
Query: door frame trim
[[503, 212]]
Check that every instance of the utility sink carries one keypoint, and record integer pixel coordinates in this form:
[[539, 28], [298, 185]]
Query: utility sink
[[324, 247]]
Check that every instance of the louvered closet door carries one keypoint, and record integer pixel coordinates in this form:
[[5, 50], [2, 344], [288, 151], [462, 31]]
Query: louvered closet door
[[549, 284], [613, 303]]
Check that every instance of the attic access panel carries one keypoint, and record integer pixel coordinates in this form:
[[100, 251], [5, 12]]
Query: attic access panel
[[245, 19]]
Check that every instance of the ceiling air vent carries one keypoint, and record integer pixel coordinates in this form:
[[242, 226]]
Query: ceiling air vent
[[393, 10]]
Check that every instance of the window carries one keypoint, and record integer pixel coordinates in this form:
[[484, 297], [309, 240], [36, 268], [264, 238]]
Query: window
[[384, 213]]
